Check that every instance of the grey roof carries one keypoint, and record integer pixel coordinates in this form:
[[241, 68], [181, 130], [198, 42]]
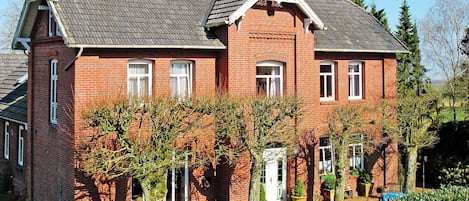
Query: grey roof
[[221, 10], [350, 28], [135, 23], [13, 101]]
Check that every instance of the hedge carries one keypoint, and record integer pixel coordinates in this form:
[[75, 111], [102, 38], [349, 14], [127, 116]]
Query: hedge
[[445, 193]]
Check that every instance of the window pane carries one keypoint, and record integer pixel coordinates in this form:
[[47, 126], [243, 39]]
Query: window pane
[[138, 69], [329, 86], [357, 85], [275, 87], [326, 69], [261, 86], [179, 68], [174, 86], [353, 68], [184, 87], [133, 91], [322, 86], [143, 87]]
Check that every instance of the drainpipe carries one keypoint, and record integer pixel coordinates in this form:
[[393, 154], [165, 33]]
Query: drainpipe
[[74, 59]]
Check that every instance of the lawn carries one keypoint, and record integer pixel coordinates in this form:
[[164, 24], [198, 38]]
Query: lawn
[[447, 114]]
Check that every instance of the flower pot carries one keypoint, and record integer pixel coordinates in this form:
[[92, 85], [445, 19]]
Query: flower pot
[[295, 198], [329, 194], [364, 189]]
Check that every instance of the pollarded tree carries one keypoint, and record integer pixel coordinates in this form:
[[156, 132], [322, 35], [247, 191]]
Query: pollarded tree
[[140, 140], [416, 116], [343, 122]]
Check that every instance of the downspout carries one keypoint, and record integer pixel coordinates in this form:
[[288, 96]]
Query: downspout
[[384, 97], [74, 59], [30, 112]]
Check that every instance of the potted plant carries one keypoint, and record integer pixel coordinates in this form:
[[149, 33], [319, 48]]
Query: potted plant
[[355, 173], [299, 192], [365, 182], [329, 186]]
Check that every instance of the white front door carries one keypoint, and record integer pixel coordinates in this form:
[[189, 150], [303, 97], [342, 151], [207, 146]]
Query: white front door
[[275, 174]]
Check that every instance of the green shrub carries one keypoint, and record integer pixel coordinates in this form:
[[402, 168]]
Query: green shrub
[[445, 193], [365, 177], [329, 181], [299, 189], [262, 196], [458, 176]]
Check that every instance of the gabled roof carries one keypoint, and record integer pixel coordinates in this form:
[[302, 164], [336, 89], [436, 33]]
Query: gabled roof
[[13, 87], [228, 11], [343, 26], [349, 28]]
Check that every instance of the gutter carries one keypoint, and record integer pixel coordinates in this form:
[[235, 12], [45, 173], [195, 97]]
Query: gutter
[[74, 59], [359, 51], [147, 46]]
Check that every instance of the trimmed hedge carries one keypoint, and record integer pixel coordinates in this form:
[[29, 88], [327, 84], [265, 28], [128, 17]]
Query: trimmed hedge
[[445, 193]]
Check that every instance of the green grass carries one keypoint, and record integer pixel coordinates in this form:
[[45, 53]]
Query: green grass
[[446, 114]]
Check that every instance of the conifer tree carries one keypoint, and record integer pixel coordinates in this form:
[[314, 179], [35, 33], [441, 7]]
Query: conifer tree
[[360, 3], [380, 15]]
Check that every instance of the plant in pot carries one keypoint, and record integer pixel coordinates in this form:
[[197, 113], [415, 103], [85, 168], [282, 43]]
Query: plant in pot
[[355, 173], [328, 186], [365, 183], [299, 192]]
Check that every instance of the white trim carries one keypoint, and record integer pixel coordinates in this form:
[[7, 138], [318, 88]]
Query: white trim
[[20, 146], [277, 155], [53, 91], [351, 82], [6, 140], [149, 75], [221, 47], [58, 21], [269, 77], [332, 75], [15, 121], [310, 14]]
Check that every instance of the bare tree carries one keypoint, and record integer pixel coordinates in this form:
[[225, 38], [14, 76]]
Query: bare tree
[[442, 31], [8, 21]]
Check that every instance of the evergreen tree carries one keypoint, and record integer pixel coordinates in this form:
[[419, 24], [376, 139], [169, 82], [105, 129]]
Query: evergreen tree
[[409, 71], [380, 15], [360, 3]]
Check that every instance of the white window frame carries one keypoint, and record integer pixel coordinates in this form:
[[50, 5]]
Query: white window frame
[[139, 76], [20, 146], [6, 145], [354, 152], [323, 160], [179, 94], [268, 78], [53, 91], [51, 19], [351, 76], [323, 76]]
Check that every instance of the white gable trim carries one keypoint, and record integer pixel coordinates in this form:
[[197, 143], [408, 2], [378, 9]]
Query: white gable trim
[[313, 18], [58, 21]]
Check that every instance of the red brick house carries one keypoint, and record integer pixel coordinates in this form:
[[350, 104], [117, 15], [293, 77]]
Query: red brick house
[[328, 52], [13, 125]]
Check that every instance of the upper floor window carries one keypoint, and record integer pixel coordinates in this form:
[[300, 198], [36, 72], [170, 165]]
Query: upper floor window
[[6, 146], [269, 78], [356, 152], [54, 29], [355, 80], [181, 79], [139, 78], [20, 145], [327, 81], [53, 91]]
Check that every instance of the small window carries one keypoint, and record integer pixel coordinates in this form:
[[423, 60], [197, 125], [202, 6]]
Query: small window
[[139, 79], [356, 152], [53, 27], [20, 145], [181, 79], [327, 81], [6, 146], [269, 79], [355, 80], [326, 156], [53, 91]]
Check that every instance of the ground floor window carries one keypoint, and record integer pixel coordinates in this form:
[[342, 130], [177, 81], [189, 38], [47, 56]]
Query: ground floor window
[[326, 156], [356, 152]]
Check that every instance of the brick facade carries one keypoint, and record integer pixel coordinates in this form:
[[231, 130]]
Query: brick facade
[[261, 35]]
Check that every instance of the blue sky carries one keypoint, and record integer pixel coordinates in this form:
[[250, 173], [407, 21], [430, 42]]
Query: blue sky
[[418, 9]]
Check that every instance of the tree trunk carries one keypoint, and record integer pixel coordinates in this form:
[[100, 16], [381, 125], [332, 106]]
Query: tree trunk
[[340, 171], [255, 185], [411, 169], [154, 187]]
